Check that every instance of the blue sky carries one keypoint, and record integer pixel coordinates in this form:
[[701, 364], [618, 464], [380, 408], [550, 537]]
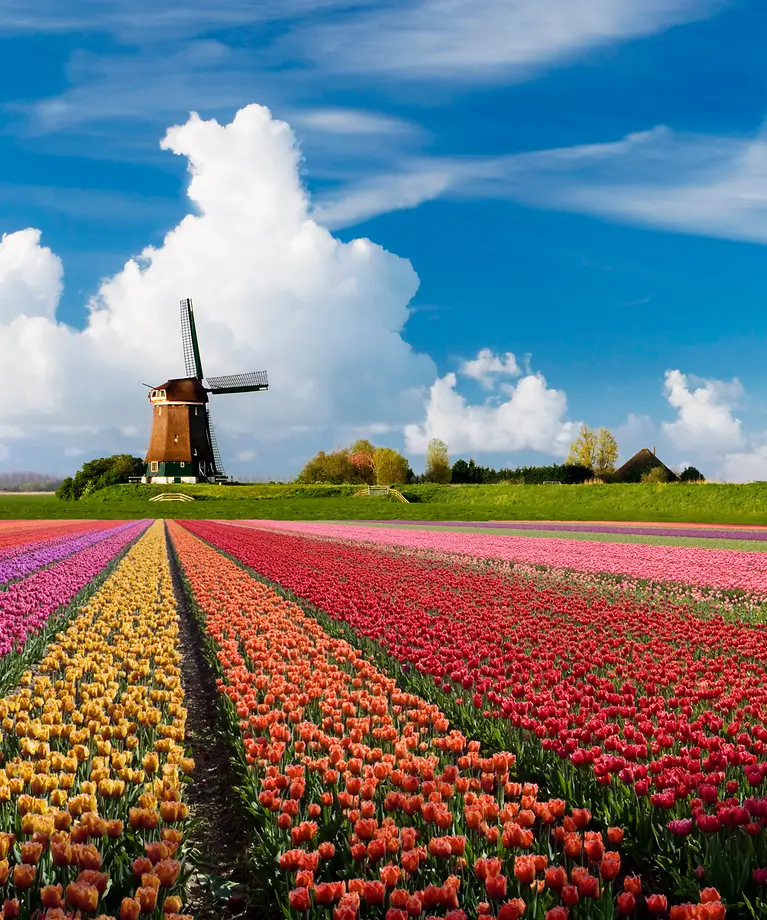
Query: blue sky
[[580, 181]]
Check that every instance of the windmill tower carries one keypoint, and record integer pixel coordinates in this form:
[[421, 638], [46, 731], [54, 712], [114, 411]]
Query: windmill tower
[[182, 446]]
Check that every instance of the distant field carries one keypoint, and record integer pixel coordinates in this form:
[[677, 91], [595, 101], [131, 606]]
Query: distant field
[[715, 504]]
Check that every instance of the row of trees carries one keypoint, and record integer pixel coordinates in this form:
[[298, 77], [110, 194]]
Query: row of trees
[[566, 473], [593, 455], [365, 464]]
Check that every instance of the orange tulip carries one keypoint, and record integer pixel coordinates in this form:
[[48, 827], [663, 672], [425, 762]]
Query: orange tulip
[[130, 909]]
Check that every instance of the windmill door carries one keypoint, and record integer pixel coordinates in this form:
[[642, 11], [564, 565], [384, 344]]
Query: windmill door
[[177, 479]]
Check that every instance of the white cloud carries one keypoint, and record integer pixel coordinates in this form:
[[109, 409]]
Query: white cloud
[[356, 201], [272, 289], [30, 277], [352, 121], [746, 466], [636, 432], [477, 39], [704, 413], [145, 20], [683, 183], [73, 452], [531, 417], [707, 186], [487, 366], [245, 455]]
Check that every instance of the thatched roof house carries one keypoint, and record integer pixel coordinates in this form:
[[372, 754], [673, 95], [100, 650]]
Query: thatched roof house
[[642, 462]]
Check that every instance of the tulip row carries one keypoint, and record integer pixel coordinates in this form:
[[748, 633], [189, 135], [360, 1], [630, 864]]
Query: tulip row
[[91, 784], [659, 724], [19, 536], [368, 800], [724, 569], [696, 531], [38, 555], [26, 605]]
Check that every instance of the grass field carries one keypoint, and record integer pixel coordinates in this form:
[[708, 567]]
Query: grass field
[[716, 504]]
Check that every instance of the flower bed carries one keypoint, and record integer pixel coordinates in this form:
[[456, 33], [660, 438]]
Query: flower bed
[[26, 605], [21, 536], [658, 721], [367, 799], [717, 568], [38, 555], [91, 784]]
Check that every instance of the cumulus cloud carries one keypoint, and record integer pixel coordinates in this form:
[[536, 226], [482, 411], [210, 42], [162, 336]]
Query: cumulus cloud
[[272, 289], [529, 416], [486, 367], [704, 412], [30, 277]]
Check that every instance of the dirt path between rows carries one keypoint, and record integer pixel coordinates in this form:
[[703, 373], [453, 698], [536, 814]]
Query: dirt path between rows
[[219, 890]]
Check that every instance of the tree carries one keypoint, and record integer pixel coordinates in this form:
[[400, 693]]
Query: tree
[[99, 473], [583, 450], [470, 473], [362, 456], [66, 491], [606, 454], [596, 450], [437, 462], [390, 466], [691, 474], [334, 468]]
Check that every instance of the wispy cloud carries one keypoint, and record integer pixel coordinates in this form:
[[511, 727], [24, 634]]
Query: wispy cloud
[[479, 39], [341, 121], [146, 20], [685, 183], [354, 202]]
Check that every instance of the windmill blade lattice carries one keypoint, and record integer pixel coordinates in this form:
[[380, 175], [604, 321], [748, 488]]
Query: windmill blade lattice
[[219, 463], [186, 341], [238, 383]]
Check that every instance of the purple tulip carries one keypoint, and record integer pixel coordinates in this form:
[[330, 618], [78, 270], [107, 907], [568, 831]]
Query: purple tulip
[[36, 557], [15, 539]]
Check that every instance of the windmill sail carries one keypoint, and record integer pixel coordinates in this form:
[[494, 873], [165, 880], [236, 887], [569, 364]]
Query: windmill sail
[[219, 463], [238, 383], [192, 362]]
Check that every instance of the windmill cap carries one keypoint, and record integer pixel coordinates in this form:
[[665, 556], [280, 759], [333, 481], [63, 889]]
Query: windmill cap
[[182, 389]]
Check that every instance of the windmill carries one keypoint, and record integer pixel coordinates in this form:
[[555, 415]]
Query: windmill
[[183, 446]]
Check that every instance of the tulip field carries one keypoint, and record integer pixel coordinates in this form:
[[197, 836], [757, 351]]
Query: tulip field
[[417, 722]]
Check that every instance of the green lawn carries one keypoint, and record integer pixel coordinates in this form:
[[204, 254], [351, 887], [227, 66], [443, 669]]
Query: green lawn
[[718, 504]]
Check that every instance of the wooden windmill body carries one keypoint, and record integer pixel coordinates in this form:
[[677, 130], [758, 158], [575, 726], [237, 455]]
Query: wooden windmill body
[[182, 446]]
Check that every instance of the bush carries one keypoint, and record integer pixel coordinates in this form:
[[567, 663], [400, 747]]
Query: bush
[[690, 474], [656, 474]]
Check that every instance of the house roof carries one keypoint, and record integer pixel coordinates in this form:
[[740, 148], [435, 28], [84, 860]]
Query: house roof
[[642, 462]]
